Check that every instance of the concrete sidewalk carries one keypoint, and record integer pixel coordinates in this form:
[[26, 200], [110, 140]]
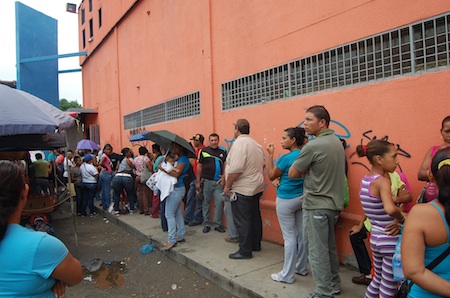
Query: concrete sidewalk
[[207, 254]]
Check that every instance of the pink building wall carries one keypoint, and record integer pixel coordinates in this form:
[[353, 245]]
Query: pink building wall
[[160, 50]]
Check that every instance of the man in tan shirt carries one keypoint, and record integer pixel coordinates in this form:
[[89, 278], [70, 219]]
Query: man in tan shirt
[[245, 178]]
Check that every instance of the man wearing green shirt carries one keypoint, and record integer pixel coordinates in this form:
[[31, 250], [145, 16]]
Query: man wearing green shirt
[[40, 169], [322, 163]]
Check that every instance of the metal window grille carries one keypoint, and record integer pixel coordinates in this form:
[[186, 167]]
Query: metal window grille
[[418, 47], [94, 133], [173, 109]]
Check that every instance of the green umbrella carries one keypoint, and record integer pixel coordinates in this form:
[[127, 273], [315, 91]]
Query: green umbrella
[[165, 138]]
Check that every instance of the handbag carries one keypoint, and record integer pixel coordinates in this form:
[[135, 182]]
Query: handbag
[[151, 182], [71, 188], [403, 290]]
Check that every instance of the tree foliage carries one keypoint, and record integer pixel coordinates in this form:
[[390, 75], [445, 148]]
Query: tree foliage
[[64, 104]]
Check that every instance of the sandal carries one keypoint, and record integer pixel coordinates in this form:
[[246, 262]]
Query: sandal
[[169, 246]]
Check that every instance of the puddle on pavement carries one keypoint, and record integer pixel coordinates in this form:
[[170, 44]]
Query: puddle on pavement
[[106, 274]]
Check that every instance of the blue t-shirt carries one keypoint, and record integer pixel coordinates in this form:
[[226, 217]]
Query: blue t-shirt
[[289, 187], [27, 259], [183, 159]]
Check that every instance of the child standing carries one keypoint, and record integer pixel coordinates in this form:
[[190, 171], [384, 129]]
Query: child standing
[[379, 207]]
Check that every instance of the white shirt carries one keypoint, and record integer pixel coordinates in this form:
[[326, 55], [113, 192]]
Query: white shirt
[[88, 172], [67, 163]]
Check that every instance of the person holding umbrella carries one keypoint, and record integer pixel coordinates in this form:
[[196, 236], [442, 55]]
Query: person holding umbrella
[[175, 221]]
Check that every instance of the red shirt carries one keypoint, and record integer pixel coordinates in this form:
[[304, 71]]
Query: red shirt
[[197, 150]]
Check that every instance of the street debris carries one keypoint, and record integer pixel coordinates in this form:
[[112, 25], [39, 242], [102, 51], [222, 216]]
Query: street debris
[[147, 248]]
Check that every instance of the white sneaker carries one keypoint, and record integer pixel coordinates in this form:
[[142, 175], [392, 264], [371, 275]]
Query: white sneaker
[[274, 277], [117, 213], [110, 208]]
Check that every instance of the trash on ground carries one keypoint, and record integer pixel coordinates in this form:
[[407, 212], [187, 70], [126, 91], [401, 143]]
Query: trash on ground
[[110, 274], [158, 263], [93, 265], [147, 248], [174, 286]]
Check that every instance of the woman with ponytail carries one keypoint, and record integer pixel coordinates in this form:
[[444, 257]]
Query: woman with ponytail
[[378, 205], [33, 264], [289, 204], [427, 235]]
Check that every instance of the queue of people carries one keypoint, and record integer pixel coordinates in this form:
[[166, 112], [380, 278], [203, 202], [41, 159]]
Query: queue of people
[[310, 186], [310, 183], [386, 199]]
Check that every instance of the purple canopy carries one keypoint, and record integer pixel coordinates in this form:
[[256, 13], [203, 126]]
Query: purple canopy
[[87, 145]]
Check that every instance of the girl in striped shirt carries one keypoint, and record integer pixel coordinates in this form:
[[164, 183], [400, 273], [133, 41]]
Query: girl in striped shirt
[[379, 207]]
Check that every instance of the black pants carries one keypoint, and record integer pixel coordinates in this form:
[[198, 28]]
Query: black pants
[[360, 250], [247, 218]]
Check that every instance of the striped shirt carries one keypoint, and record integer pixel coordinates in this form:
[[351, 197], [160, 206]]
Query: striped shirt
[[373, 206]]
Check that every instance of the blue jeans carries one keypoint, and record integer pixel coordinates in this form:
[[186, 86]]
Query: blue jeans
[[212, 188], [193, 210], [105, 184], [231, 227], [89, 190], [174, 216], [119, 183]]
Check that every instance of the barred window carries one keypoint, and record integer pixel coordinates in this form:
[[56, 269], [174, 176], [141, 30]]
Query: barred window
[[431, 43], [173, 109], [417, 47], [261, 87]]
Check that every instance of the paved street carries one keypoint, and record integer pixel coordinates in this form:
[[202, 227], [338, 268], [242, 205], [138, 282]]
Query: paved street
[[124, 271]]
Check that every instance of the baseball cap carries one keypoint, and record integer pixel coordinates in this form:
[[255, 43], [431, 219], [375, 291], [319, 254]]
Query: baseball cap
[[198, 137], [88, 157]]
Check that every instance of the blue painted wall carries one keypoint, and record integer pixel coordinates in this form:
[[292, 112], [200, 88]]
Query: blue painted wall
[[37, 36]]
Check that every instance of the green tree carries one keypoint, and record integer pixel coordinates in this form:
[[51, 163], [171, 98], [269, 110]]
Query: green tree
[[64, 104]]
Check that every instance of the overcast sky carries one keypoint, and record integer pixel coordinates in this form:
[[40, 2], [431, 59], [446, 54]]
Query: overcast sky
[[69, 83]]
